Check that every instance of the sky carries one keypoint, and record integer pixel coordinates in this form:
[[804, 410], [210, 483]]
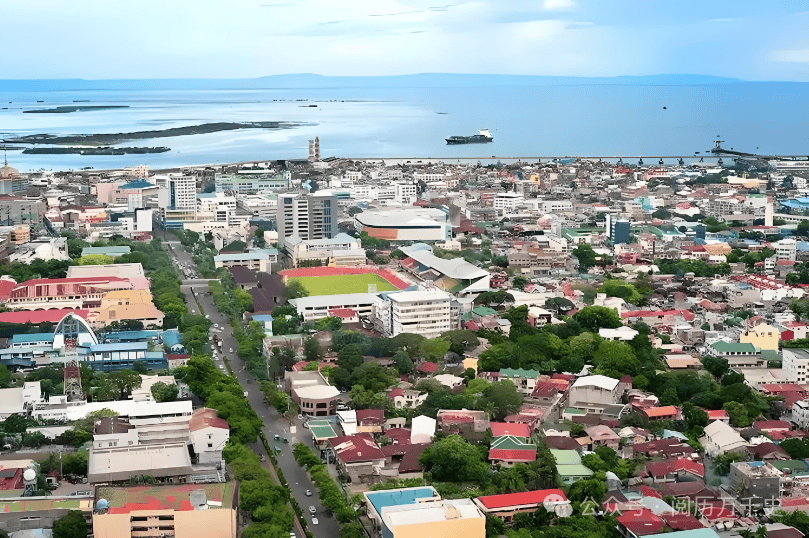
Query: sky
[[136, 39]]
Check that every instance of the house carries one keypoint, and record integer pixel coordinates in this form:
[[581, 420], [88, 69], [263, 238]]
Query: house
[[370, 420], [312, 392], [593, 393], [452, 382], [569, 466], [768, 452], [668, 412], [358, 457], [720, 438], [462, 421], [622, 333], [524, 380], [681, 361], [427, 368], [601, 435], [515, 429], [508, 450], [774, 428], [739, 355], [756, 483], [505, 506], [406, 398], [422, 430], [669, 448], [641, 522], [763, 336]]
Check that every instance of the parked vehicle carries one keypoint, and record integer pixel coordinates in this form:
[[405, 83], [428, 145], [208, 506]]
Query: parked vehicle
[[312, 510]]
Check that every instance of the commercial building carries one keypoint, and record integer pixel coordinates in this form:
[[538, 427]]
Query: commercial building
[[19, 210], [176, 199], [257, 260], [505, 506], [593, 393], [618, 230], [43, 293], [207, 511], [455, 275], [755, 483], [306, 216], [252, 181], [340, 251], [316, 307], [420, 512], [426, 311], [311, 392], [720, 438], [410, 224]]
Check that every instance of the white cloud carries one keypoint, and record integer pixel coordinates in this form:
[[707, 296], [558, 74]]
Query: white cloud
[[789, 56], [558, 4]]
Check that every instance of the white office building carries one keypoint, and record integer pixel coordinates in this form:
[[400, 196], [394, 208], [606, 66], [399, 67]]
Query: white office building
[[427, 311], [306, 216]]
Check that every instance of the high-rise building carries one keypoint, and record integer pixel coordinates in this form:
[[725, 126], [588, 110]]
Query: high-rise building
[[618, 230], [306, 216], [314, 150], [176, 192]]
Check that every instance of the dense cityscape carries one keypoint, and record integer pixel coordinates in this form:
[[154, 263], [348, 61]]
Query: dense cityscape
[[327, 347]]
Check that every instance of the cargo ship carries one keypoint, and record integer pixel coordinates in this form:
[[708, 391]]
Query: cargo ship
[[482, 137]]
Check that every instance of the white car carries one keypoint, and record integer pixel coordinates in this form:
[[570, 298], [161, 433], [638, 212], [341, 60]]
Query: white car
[[314, 521], [221, 367], [231, 350], [312, 510]]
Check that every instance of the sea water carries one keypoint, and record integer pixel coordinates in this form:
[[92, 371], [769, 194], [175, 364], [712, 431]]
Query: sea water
[[525, 120]]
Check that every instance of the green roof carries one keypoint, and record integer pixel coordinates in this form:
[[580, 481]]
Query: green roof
[[40, 503], [770, 354], [726, 347], [576, 469], [483, 311], [511, 442], [796, 466], [574, 411], [109, 251], [466, 316], [566, 457], [518, 372], [322, 429]]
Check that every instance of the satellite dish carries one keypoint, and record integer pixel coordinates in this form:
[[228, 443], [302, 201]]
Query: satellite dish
[[564, 510], [29, 475]]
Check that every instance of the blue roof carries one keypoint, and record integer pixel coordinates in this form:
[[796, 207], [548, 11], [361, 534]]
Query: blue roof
[[206, 195], [136, 184], [263, 318], [120, 346], [132, 335], [252, 255], [803, 246], [397, 497], [110, 251], [35, 337], [172, 337]]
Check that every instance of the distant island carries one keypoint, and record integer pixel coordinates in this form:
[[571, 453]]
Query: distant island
[[110, 139], [105, 150], [71, 108]]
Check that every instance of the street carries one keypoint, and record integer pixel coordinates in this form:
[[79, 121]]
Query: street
[[274, 424]]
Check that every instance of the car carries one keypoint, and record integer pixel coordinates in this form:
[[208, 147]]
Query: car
[[300, 417], [221, 367], [314, 521], [207, 316], [231, 350], [312, 510], [308, 492]]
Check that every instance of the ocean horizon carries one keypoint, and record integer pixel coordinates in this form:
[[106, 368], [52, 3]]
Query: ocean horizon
[[410, 116]]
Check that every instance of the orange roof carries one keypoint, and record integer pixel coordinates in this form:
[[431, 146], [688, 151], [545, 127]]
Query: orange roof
[[382, 233], [661, 411]]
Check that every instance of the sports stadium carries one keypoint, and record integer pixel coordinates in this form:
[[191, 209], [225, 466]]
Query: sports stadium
[[344, 280]]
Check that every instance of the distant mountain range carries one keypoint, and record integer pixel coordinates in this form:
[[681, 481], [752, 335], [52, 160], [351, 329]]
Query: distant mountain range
[[306, 80]]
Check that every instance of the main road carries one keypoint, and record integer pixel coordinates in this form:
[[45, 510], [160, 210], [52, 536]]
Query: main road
[[274, 423]]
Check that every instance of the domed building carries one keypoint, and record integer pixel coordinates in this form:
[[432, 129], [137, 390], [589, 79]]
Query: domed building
[[10, 180]]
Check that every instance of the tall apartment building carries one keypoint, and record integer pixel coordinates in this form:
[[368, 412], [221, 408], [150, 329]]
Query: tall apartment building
[[618, 230], [176, 199], [306, 216], [427, 311]]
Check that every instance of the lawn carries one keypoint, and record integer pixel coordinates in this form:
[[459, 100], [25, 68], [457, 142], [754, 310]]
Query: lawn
[[337, 284]]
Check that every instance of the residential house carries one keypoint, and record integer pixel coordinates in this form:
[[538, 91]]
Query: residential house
[[508, 450], [358, 457], [507, 505], [593, 393], [370, 420], [406, 398], [720, 438], [569, 466], [462, 421]]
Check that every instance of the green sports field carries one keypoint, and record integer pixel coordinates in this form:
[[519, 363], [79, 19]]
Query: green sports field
[[337, 284]]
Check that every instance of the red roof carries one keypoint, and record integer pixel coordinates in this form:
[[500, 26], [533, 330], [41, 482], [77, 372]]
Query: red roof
[[767, 425], [410, 460], [344, 313], [6, 285], [646, 491], [500, 429], [715, 511], [427, 367], [684, 464], [54, 315], [641, 522], [356, 448], [206, 418], [525, 498], [686, 314], [717, 414], [681, 521], [500, 454], [395, 392], [370, 416]]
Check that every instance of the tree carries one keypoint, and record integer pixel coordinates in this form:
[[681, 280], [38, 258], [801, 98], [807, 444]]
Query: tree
[[453, 459], [293, 289], [798, 449], [717, 366], [503, 397], [311, 349], [70, 525], [519, 282], [586, 255], [694, 416], [737, 413], [434, 349], [403, 362], [164, 392], [721, 463], [615, 359], [594, 318], [590, 489], [125, 381], [329, 323]]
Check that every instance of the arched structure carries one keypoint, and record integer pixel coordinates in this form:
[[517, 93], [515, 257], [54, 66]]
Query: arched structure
[[73, 332]]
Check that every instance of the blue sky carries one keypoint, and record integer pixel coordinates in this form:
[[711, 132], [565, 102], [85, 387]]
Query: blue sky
[[94, 39]]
